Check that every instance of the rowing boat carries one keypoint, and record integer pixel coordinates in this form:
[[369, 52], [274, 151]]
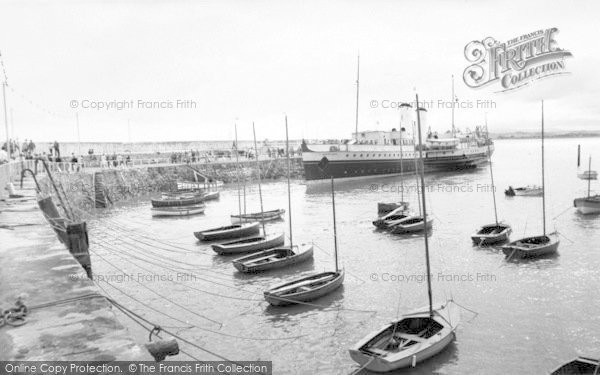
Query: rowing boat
[[525, 191], [579, 365], [531, 247], [491, 233], [391, 218], [275, 258], [411, 224], [304, 289], [227, 232], [178, 200], [250, 244], [178, 211], [271, 215]]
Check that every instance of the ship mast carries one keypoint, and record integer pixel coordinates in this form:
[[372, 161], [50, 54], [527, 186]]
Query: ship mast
[[453, 128], [491, 175], [543, 179], [424, 212], [287, 146], [237, 170], [262, 212], [357, 96]]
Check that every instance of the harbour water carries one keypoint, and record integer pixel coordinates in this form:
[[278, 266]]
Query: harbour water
[[531, 315]]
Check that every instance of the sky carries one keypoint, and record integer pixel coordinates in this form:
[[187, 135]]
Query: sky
[[230, 62]]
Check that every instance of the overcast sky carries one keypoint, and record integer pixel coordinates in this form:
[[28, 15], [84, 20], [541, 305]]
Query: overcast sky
[[257, 60]]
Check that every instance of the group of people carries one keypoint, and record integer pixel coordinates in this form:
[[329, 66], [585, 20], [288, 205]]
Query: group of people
[[115, 161], [191, 156]]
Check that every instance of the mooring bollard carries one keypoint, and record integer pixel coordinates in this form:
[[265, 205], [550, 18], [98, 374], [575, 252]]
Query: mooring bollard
[[78, 244], [162, 348]]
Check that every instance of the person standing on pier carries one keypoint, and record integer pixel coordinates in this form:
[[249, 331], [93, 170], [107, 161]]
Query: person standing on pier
[[56, 147]]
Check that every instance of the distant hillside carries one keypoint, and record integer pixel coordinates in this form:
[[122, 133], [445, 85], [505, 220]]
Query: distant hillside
[[553, 134]]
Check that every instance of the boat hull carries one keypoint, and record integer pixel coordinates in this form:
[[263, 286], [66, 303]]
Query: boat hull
[[579, 365], [527, 191], [406, 226], [390, 361], [484, 237], [177, 211], [278, 299], [531, 247], [188, 201], [232, 231], [266, 216], [587, 205], [251, 263], [248, 245]]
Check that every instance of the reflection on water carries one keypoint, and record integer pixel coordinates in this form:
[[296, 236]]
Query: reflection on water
[[532, 314]]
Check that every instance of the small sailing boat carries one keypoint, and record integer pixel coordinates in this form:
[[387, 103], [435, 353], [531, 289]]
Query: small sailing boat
[[415, 336], [255, 243], [497, 232], [308, 288], [250, 244], [591, 203], [412, 223], [178, 211], [228, 232], [282, 256], [588, 175], [535, 246], [392, 218], [271, 215], [525, 191], [579, 365]]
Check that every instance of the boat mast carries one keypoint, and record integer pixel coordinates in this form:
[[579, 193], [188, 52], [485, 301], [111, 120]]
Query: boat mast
[[589, 175], [262, 214], [335, 243], [287, 146], [357, 92], [543, 177], [401, 159], [491, 174], [416, 169], [453, 129], [424, 212], [237, 170]]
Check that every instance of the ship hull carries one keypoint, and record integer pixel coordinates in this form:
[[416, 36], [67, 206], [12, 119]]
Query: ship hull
[[320, 166]]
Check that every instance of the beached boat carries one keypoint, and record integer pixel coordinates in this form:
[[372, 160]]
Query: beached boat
[[178, 200], [178, 211], [229, 231], [304, 289], [250, 244], [409, 340], [274, 258], [270, 215], [411, 224], [534, 246], [591, 203], [308, 288], [491, 234], [415, 336], [390, 219], [525, 191], [588, 175], [579, 365]]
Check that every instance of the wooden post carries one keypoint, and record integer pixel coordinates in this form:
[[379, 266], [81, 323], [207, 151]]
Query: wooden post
[[79, 244]]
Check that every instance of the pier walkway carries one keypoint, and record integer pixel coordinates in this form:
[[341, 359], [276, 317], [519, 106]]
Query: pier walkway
[[67, 320]]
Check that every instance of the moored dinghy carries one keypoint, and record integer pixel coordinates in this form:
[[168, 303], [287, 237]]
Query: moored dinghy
[[417, 335], [526, 191], [391, 218], [274, 258], [178, 211], [265, 216], [178, 200], [491, 233], [579, 365], [308, 288], [411, 224], [534, 246], [211, 195], [591, 203], [229, 231], [249, 244], [411, 339]]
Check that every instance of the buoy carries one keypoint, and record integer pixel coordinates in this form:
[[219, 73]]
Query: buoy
[[162, 348]]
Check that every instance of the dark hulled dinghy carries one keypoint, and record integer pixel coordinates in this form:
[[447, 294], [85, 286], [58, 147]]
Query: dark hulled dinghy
[[578, 366], [491, 234], [178, 210], [531, 247], [250, 244], [409, 340], [275, 258], [411, 224], [178, 200], [391, 218], [227, 232], [304, 289]]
